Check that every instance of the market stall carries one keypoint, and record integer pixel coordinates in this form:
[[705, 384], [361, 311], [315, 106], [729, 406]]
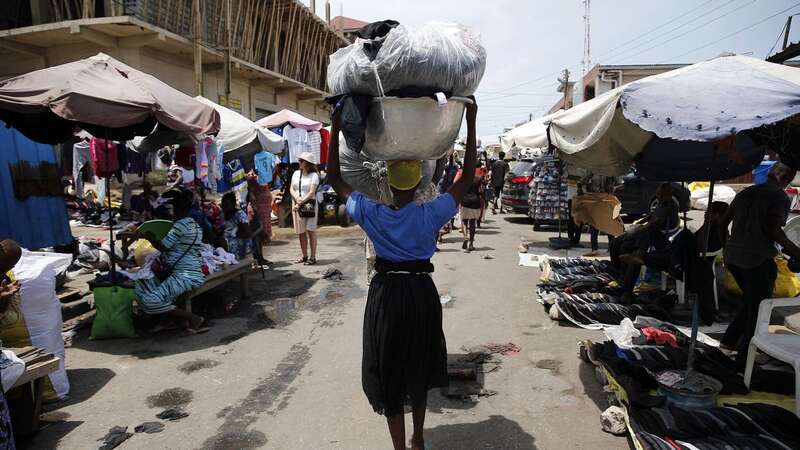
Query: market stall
[[684, 125]]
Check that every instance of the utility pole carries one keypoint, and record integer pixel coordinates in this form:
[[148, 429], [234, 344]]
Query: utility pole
[[198, 48], [564, 80], [587, 38]]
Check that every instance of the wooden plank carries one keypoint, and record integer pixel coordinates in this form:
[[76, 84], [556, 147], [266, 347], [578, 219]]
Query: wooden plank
[[80, 321], [37, 370]]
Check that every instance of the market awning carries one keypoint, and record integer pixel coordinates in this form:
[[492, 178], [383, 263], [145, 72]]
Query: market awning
[[294, 119], [679, 125], [241, 136], [103, 96]]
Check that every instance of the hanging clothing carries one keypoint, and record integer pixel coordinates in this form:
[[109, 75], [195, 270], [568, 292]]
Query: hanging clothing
[[265, 163], [201, 162], [137, 163], [183, 156], [314, 145], [325, 139], [81, 156], [104, 157], [296, 140]]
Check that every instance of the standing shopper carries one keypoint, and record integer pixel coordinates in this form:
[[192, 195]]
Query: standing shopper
[[758, 214], [403, 343], [304, 209], [499, 170]]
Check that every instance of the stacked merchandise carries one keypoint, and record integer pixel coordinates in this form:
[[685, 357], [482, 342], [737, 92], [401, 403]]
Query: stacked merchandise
[[585, 292], [548, 197], [413, 73]]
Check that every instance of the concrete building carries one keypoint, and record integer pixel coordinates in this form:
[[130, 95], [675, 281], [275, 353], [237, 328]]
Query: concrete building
[[278, 57], [602, 78], [347, 26]]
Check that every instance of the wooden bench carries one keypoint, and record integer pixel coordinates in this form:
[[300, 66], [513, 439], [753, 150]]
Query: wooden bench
[[25, 397], [215, 279]]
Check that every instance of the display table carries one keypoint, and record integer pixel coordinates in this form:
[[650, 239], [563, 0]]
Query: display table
[[229, 273], [25, 397]]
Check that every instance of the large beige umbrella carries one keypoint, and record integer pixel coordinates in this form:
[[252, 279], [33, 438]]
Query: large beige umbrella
[[102, 95]]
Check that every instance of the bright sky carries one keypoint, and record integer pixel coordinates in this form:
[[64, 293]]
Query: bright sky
[[528, 42]]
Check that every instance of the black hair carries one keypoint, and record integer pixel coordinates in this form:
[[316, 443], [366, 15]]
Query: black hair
[[501, 155]]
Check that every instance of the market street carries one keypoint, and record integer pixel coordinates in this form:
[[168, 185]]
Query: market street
[[298, 385]]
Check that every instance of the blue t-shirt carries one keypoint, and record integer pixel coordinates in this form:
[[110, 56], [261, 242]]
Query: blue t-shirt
[[264, 163], [405, 234]]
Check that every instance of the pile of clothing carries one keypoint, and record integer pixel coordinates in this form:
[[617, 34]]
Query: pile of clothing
[[586, 293], [639, 351], [739, 426]]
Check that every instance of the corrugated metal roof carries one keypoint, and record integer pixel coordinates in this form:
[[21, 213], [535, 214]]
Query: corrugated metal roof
[[38, 221]]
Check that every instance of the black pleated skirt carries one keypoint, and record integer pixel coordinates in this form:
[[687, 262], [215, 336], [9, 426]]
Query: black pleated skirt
[[405, 354]]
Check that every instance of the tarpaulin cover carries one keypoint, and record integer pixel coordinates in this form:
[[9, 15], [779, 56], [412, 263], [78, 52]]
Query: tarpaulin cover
[[292, 118], [657, 115], [36, 222], [713, 99], [103, 95], [237, 131]]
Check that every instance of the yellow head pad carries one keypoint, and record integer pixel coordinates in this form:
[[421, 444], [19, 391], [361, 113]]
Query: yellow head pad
[[404, 175]]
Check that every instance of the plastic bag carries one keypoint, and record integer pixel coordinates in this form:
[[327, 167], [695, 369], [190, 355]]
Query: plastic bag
[[441, 56], [721, 194], [786, 284], [438, 56], [114, 313], [623, 334], [34, 316]]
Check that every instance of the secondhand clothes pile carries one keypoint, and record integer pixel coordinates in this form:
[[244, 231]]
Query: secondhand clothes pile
[[584, 291]]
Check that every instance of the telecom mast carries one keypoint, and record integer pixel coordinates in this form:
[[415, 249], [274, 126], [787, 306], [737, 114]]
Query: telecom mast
[[587, 38]]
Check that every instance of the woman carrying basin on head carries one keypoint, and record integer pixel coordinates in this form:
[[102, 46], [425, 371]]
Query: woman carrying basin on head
[[404, 351]]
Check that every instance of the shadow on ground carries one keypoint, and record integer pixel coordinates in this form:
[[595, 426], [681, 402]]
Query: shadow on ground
[[496, 432]]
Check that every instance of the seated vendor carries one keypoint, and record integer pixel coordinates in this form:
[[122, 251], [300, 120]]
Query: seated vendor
[[182, 269], [236, 227], [144, 203], [10, 254], [652, 232]]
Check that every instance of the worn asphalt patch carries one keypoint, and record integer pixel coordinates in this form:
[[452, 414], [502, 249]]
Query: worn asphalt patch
[[198, 364], [234, 432], [170, 398]]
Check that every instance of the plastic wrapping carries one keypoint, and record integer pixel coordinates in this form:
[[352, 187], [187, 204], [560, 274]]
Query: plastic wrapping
[[369, 177], [437, 57]]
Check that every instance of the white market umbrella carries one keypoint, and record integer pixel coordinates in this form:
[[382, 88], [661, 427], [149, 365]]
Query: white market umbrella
[[240, 136]]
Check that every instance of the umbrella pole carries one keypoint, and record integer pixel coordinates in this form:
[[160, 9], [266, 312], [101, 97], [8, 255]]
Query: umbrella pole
[[110, 229], [696, 305]]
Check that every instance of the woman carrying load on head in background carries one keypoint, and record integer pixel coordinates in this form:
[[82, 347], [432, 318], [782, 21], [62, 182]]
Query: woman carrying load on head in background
[[404, 351]]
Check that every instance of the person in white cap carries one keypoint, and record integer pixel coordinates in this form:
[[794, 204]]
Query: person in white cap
[[304, 208]]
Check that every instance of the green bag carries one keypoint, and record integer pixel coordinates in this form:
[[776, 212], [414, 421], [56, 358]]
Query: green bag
[[114, 317]]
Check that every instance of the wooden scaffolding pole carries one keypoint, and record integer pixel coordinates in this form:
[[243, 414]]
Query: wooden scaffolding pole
[[198, 48]]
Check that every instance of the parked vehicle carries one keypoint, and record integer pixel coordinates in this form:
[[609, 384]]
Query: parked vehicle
[[638, 196], [516, 187]]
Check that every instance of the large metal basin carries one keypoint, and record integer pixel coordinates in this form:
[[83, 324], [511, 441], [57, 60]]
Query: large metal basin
[[412, 128]]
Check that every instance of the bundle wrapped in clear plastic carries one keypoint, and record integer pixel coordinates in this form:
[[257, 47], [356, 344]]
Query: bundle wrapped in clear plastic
[[436, 57]]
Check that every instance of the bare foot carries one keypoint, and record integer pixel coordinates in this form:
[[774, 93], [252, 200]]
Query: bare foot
[[417, 444]]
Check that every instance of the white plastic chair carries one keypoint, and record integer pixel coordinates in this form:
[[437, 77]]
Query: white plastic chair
[[783, 347]]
